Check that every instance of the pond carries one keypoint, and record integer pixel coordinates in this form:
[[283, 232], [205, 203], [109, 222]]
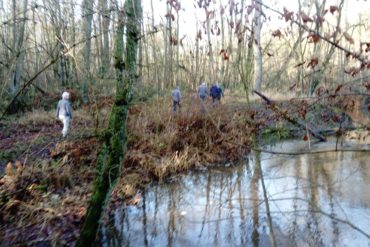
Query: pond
[[312, 200]]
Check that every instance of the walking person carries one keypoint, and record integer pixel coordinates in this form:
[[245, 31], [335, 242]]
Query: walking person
[[203, 91], [216, 93], [176, 98], [64, 112]]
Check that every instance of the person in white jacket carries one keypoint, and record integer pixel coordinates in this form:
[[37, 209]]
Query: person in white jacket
[[64, 112]]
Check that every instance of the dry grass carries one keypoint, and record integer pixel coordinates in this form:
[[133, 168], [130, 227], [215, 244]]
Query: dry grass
[[163, 143]]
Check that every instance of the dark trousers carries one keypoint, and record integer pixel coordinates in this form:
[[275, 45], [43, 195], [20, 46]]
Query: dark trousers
[[176, 103], [216, 99]]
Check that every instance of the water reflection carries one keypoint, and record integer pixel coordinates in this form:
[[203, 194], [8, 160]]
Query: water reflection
[[314, 200]]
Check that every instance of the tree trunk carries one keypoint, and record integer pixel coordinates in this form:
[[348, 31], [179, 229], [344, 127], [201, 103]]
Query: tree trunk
[[112, 151], [222, 76], [197, 59], [210, 49], [19, 50], [73, 41], [257, 46], [87, 15], [105, 37], [154, 52], [315, 75]]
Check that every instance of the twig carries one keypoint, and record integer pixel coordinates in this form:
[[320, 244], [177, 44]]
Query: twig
[[361, 59]]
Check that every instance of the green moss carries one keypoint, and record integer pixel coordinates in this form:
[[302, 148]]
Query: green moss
[[275, 134]]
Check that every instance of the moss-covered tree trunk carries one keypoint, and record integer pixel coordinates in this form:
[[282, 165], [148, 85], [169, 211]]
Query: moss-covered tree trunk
[[112, 151]]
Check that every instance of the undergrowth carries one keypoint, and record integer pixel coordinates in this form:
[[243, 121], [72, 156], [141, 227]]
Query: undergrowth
[[43, 196]]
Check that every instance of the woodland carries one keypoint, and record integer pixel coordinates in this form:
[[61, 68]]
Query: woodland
[[288, 69]]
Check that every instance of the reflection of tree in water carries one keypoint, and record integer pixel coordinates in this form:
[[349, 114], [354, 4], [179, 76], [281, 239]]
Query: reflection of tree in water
[[230, 206], [145, 231], [294, 228], [329, 186], [171, 219], [206, 210], [313, 221], [219, 213], [242, 225], [255, 203]]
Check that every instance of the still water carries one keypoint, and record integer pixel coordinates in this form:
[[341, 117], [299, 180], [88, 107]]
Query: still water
[[313, 200]]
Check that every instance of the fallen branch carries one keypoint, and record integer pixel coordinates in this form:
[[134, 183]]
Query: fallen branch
[[310, 152], [290, 119]]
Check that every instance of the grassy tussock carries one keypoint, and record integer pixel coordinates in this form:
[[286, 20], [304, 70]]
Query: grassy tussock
[[163, 143]]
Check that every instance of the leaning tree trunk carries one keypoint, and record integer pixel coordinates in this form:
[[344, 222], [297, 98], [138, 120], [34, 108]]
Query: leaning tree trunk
[[112, 151]]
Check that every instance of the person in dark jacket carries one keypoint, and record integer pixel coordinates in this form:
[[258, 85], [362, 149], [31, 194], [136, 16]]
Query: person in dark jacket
[[216, 93], [64, 112]]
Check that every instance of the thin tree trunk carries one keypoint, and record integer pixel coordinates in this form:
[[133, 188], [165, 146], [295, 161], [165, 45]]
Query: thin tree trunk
[[73, 41], [222, 45], [230, 44], [170, 47], [87, 15], [105, 22], [113, 149], [210, 49], [257, 46], [154, 52], [177, 48], [19, 50], [315, 75], [195, 81], [301, 54]]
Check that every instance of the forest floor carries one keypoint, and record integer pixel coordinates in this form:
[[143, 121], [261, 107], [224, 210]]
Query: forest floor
[[46, 180]]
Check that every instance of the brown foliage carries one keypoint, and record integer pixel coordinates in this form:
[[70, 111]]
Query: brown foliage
[[287, 14], [313, 62], [305, 18], [174, 143], [332, 9], [277, 33], [313, 38]]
